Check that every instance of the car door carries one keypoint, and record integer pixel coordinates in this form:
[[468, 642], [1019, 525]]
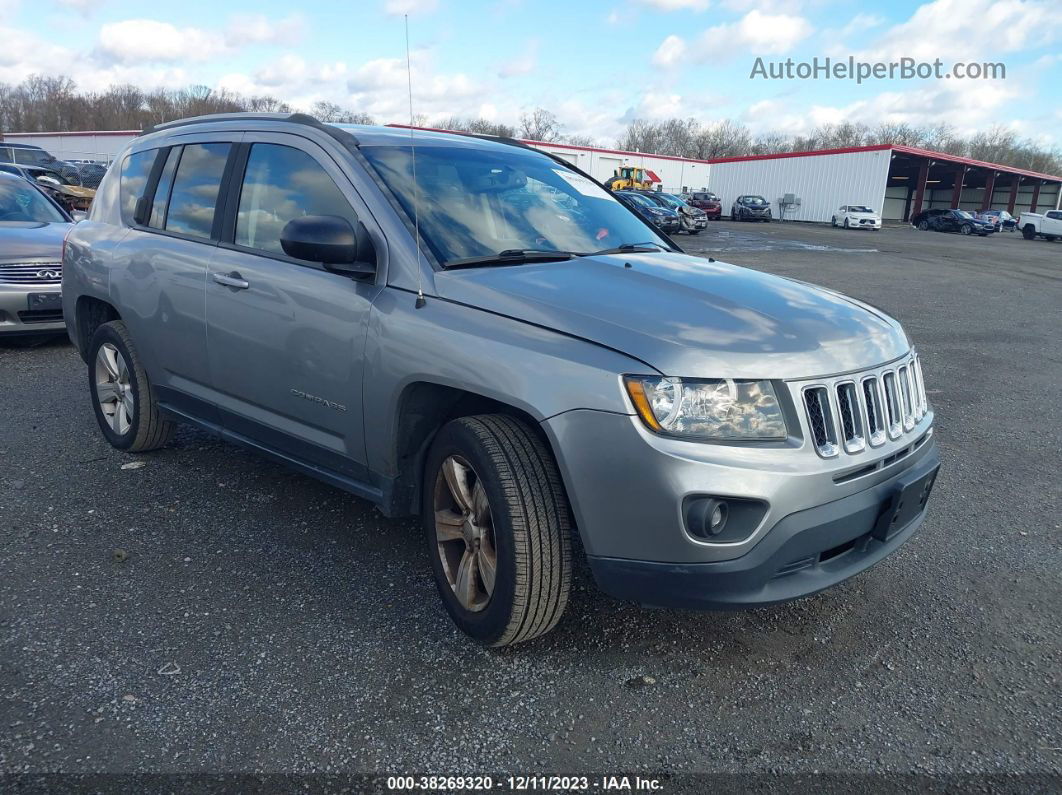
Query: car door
[[161, 265], [285, 337]]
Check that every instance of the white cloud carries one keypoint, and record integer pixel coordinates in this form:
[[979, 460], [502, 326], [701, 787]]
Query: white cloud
[[957, 29], [756, 33], [148, 40], [522, 64], [260, 29], [670, 52], [857, 24], [677, 5], [411, 7]]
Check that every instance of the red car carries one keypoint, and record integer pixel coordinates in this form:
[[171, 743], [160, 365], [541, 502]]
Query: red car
[[707, 201]]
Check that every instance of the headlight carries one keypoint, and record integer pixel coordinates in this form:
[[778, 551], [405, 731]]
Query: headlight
[[714, 408]]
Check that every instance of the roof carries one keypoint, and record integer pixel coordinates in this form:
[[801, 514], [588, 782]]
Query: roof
[[70, 132], [907, 150]]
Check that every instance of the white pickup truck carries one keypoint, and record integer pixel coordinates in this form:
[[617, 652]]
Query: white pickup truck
[[1048, 225]]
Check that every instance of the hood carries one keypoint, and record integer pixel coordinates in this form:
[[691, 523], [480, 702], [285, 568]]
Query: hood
[[686, 316], [862, 215], [32, 241]]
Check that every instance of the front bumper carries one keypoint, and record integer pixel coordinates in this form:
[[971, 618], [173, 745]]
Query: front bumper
[[806, 552], [16, 317]]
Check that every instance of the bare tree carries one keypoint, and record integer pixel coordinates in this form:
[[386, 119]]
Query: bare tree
[[540, 125]]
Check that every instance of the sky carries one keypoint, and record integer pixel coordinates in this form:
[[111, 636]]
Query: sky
[[596, 65]]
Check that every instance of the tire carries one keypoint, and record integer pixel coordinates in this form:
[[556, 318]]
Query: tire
[[845, 224], [733, 216], [135, 423], [527, 524], [1049, 238], [923, 225], [965, 229], [833, 221], [693, 231], [1028, 231]]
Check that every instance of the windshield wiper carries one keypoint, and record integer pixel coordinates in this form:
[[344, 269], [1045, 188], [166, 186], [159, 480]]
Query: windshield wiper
[[629, 248], [511, 256]]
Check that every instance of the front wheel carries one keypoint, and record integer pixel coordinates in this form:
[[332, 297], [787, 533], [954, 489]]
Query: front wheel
[[923, 225], [498, 528], [122, 397], [965, 229], [845, 223]]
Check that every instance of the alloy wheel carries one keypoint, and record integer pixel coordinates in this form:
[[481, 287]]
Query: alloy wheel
[[113, 390], [464, 533]]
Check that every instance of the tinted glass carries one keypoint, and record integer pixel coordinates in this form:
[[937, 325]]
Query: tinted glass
[[479, 201], [195, 189], [133, 180], [20, 202], [282, 183], [162, 192]]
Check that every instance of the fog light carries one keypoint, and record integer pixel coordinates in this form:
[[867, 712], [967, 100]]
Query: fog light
[[708, 517]]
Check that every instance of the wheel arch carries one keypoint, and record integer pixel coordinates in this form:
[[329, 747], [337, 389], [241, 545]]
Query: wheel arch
[[422, 409], [89, 314]]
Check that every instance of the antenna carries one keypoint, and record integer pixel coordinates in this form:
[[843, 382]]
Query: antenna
[[416, 188]]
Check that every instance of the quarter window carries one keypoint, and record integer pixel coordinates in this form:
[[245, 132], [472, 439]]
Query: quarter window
[[195, 189], [133, 180], [282, 183]]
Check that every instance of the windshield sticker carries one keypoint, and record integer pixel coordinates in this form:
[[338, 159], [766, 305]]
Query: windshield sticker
[[583, 185]]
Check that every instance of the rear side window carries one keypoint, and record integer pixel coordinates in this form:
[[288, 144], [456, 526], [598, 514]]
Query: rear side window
[[282, 183], [133, 180], [195, 189], [162, 191]]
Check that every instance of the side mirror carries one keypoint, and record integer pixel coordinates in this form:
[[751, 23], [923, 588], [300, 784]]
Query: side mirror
[[332, 241]]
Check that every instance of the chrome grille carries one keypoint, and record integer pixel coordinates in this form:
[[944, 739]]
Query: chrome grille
[[31, 273], [850, 414]]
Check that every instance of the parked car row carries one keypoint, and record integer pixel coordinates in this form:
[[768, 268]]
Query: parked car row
[[665, 210]]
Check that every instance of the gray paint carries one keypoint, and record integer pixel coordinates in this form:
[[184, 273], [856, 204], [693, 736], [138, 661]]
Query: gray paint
[[550, 340]]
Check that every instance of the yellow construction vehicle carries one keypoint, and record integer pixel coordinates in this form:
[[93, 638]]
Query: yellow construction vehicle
[[631, 178]]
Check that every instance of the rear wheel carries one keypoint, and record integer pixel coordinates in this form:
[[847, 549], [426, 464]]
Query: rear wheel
[[497, 525], [122, 397], [1028, 232]]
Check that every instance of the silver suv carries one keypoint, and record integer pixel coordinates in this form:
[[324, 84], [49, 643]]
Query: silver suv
[[477, 333]]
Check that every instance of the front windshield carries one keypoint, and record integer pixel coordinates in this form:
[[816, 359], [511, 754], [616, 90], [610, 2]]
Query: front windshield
[[755, 200], [670, 201], [859, 208], [478, 202], [21, 202]]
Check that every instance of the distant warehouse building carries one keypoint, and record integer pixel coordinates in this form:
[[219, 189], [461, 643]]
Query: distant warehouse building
[[673, 173], [896, 181]]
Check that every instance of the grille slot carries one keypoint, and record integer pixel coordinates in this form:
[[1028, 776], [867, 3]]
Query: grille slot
[[851, 413], [820, 419], [906, 399], [892, 404], [31, 273], [851, 417]]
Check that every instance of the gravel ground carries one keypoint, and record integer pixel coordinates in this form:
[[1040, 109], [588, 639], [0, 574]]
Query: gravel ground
[[201, 609]]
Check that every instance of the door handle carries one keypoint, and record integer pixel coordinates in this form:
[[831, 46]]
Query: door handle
[[232, 280]]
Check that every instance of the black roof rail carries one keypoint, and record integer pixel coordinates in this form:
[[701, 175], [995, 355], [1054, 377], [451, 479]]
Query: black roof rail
[[290, 118]]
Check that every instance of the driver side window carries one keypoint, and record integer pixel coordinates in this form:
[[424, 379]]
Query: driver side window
[[282, 183]]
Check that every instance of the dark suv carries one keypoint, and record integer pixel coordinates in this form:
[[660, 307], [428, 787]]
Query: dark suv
[[750, 208]]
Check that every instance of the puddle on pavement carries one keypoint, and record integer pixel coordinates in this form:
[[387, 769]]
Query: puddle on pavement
[[725, 240]]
